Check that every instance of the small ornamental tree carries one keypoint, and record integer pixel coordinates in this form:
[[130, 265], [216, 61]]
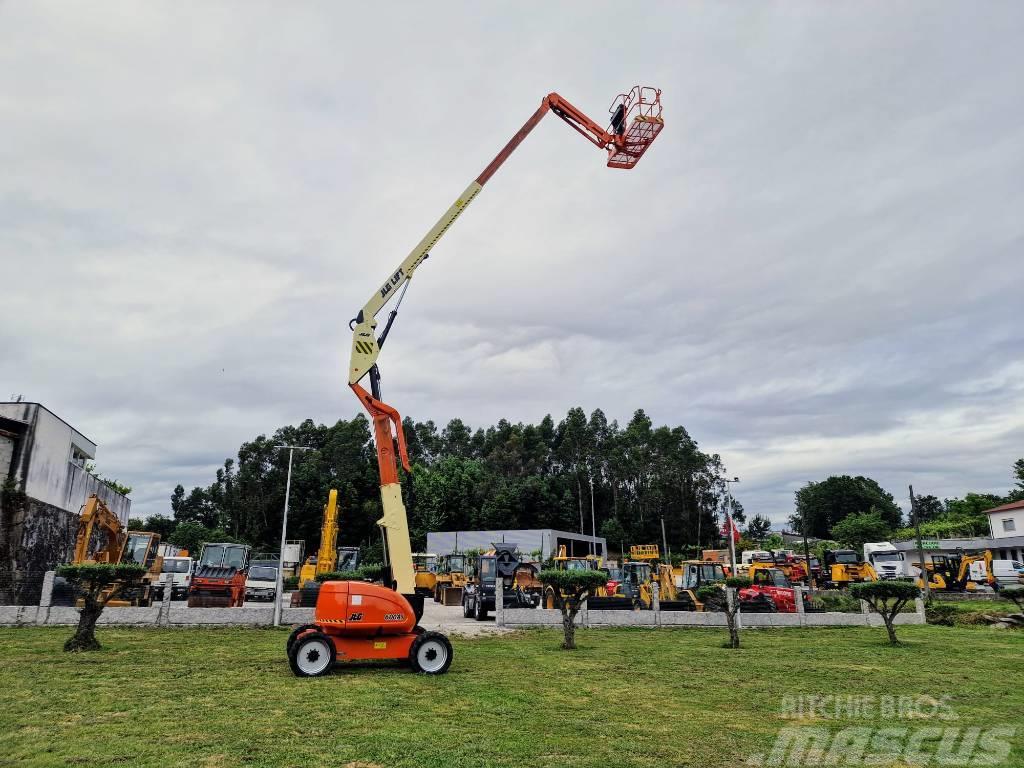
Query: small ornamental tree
[[887, 599], [1016, 594], [368, 572], [570, 589], [716, 599], [97, 584]]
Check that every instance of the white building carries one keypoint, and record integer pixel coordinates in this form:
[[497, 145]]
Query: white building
[[1006, 539], [45, 456], [1007, 521]]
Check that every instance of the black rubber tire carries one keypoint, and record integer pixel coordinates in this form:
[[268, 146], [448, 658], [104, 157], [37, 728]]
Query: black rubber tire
[[294, 634], [437, 594], [467, 612], [430, 637], [480, 613], [300, 646]]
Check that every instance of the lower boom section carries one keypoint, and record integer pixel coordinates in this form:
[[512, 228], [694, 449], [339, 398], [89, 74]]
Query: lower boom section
[[395, 524]]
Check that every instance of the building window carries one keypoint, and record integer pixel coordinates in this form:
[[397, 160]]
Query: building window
[[1009, 525]]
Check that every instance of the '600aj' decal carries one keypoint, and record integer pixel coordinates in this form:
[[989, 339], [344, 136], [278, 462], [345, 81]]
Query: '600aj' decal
[[394, 617]]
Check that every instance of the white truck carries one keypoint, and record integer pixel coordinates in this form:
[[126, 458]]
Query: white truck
[[888, 562], [176, 576]]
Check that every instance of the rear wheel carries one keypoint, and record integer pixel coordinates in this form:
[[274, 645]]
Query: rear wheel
[[312, 655], [481, 612], [430, 654], [467, 609], [295, 635]]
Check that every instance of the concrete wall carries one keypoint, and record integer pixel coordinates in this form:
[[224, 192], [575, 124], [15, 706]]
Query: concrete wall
[[177, 616], [80, 485]]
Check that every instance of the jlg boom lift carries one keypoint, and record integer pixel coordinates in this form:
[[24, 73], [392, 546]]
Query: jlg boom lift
[[364, 621]]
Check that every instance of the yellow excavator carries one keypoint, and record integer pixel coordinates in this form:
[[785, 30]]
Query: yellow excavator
[[329, 557], [116, 545], [97, 519]]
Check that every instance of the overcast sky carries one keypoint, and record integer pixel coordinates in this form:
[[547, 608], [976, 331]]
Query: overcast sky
[[816, 269]]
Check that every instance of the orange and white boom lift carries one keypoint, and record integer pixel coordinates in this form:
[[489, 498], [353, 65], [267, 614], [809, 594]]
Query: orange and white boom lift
[[356, 620], [634, 125]]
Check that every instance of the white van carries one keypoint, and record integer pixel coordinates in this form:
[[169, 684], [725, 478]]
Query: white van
[[1008, 573], [756, 556], [177, 575], [261, 582]]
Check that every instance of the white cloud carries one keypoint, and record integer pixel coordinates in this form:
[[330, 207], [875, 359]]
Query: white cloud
[[815, 270]]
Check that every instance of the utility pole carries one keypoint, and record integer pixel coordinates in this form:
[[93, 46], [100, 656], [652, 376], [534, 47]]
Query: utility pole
[[279, 588], [664, 542], [920, 547]]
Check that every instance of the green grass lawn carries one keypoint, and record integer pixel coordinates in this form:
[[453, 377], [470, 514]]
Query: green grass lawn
[[226, 697]]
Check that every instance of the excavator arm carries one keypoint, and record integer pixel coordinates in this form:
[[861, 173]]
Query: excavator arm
[[327, 557], [634, 124], [96, 513]]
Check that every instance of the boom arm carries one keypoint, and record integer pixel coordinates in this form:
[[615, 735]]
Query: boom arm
[[625, 145]]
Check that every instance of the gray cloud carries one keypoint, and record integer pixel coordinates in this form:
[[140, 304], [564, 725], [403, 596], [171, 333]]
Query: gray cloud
[[816, 269]]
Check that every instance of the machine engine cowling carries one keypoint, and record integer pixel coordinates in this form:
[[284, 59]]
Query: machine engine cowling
[[359, 608]]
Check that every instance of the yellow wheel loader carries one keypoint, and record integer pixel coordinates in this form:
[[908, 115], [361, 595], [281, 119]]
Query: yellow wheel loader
[[450, 580]]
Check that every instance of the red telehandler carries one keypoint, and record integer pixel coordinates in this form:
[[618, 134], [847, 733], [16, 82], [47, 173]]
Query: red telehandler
[[355, 620]]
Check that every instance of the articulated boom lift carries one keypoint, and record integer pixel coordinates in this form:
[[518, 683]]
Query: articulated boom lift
[[356, 620], [635, 124]]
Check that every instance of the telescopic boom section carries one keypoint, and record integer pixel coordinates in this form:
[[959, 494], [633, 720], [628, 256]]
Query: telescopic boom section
[[634, 125]]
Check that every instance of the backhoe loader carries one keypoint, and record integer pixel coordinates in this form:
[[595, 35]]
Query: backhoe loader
[[424, 567], [844, 567]]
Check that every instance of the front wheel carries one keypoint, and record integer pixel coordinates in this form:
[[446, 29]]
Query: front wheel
[[295, 635], [467, 609], [481, 612], [430, 654], [312, 655]]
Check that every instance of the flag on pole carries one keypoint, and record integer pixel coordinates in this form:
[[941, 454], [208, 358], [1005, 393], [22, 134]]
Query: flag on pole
[[730, 525]]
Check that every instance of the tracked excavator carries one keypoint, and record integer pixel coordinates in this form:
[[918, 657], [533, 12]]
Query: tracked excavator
[[355, 620], [101, 538]]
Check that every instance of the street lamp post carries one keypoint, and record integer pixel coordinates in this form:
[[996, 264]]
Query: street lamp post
[[728, 517], [279, 587], [593, 525]]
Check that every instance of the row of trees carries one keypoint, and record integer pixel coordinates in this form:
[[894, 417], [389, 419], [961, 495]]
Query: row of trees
[[854, 510], [548, 475], [628, 479]]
